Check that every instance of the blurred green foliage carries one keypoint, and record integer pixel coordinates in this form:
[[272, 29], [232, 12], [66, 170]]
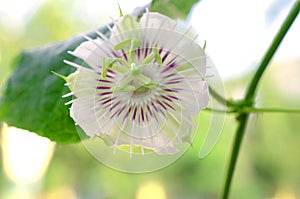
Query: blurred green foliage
[[173, 8], [268, 165], [22, 104], [33, 93]]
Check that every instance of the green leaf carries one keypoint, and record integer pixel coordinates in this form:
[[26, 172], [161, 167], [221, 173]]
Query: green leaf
[[173, 8], [32, 97]]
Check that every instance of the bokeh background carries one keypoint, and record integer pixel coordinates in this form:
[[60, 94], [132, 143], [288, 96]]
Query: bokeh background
[[237, 33]]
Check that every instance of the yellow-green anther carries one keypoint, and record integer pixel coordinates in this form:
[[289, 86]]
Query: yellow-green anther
[[148, 59], [123, 45], [108, 63], [105, 66], [129, 45], [135, 43], [157, 56], [153, 55]]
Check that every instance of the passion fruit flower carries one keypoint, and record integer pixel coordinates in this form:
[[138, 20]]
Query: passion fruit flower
[[140, 87]]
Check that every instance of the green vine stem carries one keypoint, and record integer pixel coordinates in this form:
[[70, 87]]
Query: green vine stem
[[254, 110], [250, 94], [219, 98]]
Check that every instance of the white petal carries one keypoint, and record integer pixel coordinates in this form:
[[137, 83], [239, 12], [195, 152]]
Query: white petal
[[83, 114], [194, 56], [156, 20], [193, 96], [202, 94], [92, 52], [175, 44]]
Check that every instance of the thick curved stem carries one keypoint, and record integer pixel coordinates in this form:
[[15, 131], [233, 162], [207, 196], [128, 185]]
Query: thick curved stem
[[250, 94]]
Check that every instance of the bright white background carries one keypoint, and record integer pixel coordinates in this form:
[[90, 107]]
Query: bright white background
[[237, 31]]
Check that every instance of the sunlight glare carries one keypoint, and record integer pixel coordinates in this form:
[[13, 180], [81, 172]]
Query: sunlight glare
[[25, 155], [150, 190]]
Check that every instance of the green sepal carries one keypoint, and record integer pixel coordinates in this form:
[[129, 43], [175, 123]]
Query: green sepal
[[120, 11], [59, 75]]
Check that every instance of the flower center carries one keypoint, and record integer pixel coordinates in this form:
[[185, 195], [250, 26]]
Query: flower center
[[133, 79]]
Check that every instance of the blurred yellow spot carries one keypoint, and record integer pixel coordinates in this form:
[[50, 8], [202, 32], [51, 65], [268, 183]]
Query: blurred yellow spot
[[25, 155], [60, 193], [151, 190], [285, 194]]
